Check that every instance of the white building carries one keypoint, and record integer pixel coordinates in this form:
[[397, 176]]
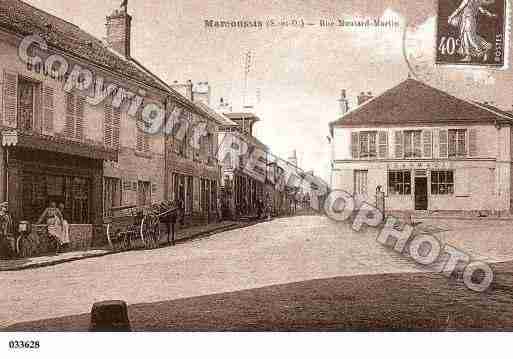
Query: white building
[[428, 150]]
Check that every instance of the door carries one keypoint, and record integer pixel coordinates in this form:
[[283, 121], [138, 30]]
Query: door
[[421, 195]]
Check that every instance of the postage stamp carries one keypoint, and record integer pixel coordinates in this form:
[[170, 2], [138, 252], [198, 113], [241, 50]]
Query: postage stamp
[[471, 32]]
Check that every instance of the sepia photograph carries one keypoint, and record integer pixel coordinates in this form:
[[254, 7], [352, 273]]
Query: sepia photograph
[[327, 169]]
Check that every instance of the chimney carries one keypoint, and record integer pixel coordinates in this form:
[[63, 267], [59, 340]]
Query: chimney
[[364, 97], [343, 102], [119, 26], [224, 106]]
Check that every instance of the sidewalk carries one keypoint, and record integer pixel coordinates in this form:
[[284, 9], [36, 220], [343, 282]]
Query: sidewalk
[[182, 235]]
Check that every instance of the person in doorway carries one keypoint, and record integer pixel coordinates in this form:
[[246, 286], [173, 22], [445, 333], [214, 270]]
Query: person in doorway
[[65, 228], [6, 232], [52, 217]]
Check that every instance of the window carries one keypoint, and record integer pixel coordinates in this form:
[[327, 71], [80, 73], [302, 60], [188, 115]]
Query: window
[[143, 138], [111, 126], [399, 182], [412, 144], [27, 97], [368, 145], [112, 195], [442, 182], [75, 108], [360, 182], [457, 143], [143, 193]]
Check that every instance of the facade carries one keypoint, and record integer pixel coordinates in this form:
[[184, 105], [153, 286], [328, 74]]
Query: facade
[[194, 171], [76, 145], [244, 176], [427, 150]]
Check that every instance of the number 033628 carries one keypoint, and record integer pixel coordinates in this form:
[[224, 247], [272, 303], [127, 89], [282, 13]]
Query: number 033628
[[24, 344]]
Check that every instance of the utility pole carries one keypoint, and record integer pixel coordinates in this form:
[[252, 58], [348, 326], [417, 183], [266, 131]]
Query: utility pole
[[247, 69]]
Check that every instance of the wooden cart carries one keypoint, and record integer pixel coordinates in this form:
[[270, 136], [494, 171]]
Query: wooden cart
[[130, 225]]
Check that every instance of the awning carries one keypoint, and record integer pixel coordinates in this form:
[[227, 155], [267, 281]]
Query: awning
[[13, 138]]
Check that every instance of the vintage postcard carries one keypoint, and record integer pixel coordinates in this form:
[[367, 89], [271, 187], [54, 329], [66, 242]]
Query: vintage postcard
[[253, 166], [471, 32]]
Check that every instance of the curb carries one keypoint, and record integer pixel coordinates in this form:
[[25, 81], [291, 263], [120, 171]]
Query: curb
[[110, 252]]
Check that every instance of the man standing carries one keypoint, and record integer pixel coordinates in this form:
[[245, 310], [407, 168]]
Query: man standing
[[7, 245]]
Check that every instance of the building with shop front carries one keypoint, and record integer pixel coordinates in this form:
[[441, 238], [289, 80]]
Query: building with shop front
[[77, 146], [245, 176], [428, 150]]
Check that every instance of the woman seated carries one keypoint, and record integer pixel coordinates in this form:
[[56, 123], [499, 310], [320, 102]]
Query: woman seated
[[53, 218]]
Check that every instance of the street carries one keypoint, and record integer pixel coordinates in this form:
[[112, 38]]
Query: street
[[295, 252]]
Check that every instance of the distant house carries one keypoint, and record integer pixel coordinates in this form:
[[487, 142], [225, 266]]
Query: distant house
[[428, 150]]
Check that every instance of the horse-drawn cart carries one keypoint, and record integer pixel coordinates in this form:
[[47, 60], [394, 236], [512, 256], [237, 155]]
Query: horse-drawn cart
[[133, 226]]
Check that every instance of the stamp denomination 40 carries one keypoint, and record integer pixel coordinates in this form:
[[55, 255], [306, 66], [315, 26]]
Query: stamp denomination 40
[[471, 32]]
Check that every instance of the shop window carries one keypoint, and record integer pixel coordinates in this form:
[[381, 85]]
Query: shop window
[[399, 183], [457, 143], [360, 182], [112, 195], [442, 182], [40, 189]]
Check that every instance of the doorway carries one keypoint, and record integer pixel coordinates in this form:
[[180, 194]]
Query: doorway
[[421, 195]]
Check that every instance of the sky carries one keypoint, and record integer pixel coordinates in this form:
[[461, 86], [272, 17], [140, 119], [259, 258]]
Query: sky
[[297, 72]]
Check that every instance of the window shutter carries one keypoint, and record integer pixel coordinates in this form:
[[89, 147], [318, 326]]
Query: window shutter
[[10, 98], [427, 140], [116, 127], [146, 139], [69, 126], [140, 136], [472, 142], [1, 97], [354, 145], [383, 144], [443, 143], [79, 118], [107, 125], [399, 152], [48, 108]]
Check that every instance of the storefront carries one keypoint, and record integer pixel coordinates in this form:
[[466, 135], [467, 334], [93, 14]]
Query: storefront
[[38, 170]]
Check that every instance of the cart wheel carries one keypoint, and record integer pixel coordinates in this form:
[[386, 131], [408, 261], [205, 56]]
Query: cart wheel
[[150, 231], [110, 236]]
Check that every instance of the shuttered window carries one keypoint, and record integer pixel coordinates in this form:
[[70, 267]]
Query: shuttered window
[[383, 144], [457, 143], [143, 138], [75, 112], [427, 143], [399, 152], [472, 142], [111, 126], [10, 94], [443, 143], [48, 108], [354, 145]]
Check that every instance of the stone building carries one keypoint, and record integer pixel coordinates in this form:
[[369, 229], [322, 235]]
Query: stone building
[[75, 134], [428, 150]]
